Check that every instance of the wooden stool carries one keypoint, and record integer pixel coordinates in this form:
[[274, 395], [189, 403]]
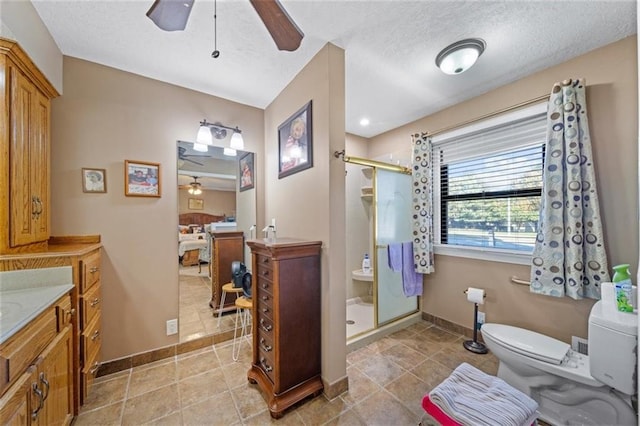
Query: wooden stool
[[243, 311], [227, 288]]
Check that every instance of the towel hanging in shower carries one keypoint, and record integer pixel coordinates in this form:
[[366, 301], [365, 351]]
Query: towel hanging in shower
[[401, 260]]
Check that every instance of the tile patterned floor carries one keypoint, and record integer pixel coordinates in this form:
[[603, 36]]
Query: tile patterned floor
[[387, 380]]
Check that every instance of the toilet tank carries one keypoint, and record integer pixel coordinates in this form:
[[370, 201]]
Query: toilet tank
[[613, 345]]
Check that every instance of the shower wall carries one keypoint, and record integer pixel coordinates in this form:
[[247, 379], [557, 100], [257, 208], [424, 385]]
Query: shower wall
[[358, 217]]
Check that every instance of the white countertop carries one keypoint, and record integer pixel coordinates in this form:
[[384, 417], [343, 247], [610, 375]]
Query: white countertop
[[25, 294]]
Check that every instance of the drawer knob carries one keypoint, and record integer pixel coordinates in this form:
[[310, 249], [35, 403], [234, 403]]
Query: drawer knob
[[264, 346], [95, 335], [71, 312], [94, 302], [267, 367], [265, 286], [265, 298], [265, 310], [265, 273], [267, 327], [94, 269]]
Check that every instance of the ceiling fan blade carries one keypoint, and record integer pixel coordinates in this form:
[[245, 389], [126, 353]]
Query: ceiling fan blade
[[283, 30], [170, 15], [191, 161]]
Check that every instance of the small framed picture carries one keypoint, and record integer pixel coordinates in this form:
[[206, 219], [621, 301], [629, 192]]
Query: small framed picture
[[141, 179], [246, 171], [94, 180], [196, 204], [295, 139]]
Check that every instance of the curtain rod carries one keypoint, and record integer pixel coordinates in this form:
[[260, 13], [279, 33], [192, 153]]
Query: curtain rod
[[371, 163], [491, 114]]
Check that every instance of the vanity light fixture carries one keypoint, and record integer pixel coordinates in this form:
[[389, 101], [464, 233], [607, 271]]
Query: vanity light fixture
[[208, 131], [460, 56], [229, 152]]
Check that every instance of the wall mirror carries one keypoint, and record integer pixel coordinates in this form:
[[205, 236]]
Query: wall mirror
[[215, 193]]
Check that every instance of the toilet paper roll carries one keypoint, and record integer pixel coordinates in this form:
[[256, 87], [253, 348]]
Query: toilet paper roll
[[475, 295]]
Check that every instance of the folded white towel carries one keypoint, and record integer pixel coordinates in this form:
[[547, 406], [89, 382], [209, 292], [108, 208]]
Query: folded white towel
[[472, 397]]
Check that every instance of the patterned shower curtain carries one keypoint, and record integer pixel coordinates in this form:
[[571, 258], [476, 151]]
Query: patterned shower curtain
[[422, 202], [569, 256]]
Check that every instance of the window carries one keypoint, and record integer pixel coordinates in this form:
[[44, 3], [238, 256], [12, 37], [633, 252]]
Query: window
[[488, 182]]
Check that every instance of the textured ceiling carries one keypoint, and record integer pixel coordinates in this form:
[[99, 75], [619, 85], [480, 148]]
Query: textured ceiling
[[390, 47]]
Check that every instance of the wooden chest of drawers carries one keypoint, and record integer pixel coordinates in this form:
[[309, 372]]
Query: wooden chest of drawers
[[286, 321]]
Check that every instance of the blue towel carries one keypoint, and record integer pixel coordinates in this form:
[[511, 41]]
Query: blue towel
[[411, 280], [395, 256]]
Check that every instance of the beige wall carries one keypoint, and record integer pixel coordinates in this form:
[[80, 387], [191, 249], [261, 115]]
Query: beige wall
[[104, 117], [219, 203], [611, 74], [310, 204]]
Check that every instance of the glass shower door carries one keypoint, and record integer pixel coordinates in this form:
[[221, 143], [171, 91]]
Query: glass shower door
[[393, 225]]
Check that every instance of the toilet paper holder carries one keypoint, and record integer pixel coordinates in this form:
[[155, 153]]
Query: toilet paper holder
[[473, 345]]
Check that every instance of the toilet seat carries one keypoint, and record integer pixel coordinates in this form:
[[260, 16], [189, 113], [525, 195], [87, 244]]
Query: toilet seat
[[542, 352], [528, 343]]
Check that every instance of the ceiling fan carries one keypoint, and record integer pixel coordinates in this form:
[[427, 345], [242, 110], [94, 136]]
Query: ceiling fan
[[194, 187], [182, 155], [172, 15]]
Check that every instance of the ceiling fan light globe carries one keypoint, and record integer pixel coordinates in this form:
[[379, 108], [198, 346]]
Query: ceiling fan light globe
[[204, 136], [200, 147], [236, 142]]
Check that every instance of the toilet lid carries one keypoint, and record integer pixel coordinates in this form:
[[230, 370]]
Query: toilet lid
[[527, 342]]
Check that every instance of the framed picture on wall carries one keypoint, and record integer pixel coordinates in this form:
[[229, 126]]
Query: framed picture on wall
[[196, 204], [141, 179], [94, 180], [246, 171], [295, 143]]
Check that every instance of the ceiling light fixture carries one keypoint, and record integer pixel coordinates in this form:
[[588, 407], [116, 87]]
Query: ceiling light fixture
[[460, 56], [195, 187], [209, 131]]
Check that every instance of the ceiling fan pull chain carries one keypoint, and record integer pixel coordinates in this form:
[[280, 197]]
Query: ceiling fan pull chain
[[215, 52]]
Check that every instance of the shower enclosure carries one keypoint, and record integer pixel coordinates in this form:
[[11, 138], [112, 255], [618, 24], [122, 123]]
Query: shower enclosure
[[380, 306]]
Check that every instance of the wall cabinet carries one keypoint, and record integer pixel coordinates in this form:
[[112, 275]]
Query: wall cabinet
[[226, 246], [286, 321], [25, 140], [40, 381]]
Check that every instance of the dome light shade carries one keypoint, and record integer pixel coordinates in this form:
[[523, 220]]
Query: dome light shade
[[460, 56]]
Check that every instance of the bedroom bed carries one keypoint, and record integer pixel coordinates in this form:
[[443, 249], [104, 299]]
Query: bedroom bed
[[194, 241]]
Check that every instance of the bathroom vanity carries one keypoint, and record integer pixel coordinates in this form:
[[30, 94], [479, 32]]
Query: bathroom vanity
[[36, 346]]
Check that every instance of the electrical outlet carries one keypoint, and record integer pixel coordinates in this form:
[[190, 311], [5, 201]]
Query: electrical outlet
[[480, 319], [172, 327]]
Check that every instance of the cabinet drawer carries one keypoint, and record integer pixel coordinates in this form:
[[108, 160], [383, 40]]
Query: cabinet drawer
[[267, 365], [23, 347], [90, 305], [265, 309], [264, 286], [91, 340], [88, 375], [264, 262], [90, 271], [265, 273], [266, 326], [64, 313]]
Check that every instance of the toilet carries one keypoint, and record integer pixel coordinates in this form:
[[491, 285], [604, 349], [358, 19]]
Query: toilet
[[569, 387]]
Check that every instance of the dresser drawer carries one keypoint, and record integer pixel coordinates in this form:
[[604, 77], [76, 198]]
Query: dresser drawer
[[264, 285], [91, 305], [267, 365], [264, 262], [91, 341], [265, 309], [90, 271]]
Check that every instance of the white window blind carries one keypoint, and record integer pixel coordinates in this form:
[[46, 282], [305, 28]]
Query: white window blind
[[488, 185]]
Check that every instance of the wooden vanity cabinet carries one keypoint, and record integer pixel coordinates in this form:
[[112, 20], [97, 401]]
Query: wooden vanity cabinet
[[226, 246], [286, 321], [25, 137], [40, 380]]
